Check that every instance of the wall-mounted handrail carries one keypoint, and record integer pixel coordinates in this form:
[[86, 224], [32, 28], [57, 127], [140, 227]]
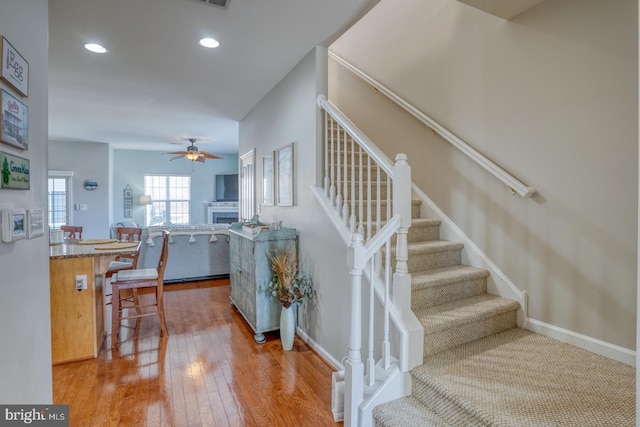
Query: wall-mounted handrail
[[511, 181]]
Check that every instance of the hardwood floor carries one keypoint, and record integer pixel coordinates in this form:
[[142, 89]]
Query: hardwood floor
[[208, 372]]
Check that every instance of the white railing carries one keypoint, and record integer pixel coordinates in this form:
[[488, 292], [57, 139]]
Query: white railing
[[369, 200], [514, 184]]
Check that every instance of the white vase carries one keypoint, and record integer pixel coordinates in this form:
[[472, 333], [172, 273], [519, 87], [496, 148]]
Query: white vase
[[287, 327]]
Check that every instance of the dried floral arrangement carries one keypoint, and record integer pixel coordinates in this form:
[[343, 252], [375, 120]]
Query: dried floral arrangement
[[288, 284]]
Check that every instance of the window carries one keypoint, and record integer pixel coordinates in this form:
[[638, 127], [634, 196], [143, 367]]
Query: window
[[59, 198], [171, 199]]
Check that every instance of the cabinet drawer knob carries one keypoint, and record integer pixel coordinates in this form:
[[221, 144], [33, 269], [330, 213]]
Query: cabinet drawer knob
[[239, 270]]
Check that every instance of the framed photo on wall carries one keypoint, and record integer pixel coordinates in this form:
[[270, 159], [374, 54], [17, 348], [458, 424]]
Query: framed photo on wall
[[284, 175], [35, 223], [127, 201], [267, 180], [13, 224], [15, 172], [15, 121], [15, 69]]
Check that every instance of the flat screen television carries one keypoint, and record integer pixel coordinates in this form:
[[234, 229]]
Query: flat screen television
[[227, 188]]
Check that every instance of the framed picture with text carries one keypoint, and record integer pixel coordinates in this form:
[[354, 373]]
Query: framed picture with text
[[15, 69], [15, 121]]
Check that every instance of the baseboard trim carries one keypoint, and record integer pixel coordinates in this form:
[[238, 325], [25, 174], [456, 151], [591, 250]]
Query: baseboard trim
[[319, 350], [594, 345]]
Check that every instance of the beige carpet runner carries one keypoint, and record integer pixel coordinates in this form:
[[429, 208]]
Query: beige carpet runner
[[480, 369]]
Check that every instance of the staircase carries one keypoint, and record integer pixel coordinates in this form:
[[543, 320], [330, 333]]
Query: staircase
[[458, 348], [481, 369]]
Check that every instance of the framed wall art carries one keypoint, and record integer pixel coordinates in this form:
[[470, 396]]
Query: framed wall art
[[284, 175], [14, 172], [128, 201], [267, 180], [15, 69], [35, 223], [15, 121], [13, 225]]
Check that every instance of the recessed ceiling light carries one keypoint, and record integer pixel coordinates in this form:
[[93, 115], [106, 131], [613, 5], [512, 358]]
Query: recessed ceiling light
[[209, 42], [93, 47]]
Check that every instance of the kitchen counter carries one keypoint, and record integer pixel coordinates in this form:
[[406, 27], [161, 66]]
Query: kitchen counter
[[78, 316], [76, 250]]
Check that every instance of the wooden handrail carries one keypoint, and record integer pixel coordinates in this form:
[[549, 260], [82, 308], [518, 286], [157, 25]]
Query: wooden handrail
[[511, 181]]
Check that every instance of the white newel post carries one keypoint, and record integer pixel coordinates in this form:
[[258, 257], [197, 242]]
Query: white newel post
[[354, 368], [401, 277], [402, 207]]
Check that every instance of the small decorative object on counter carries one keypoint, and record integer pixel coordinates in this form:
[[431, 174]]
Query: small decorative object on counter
[[252, 229]]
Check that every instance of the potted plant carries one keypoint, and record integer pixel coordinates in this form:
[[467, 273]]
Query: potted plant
[[290, 287]]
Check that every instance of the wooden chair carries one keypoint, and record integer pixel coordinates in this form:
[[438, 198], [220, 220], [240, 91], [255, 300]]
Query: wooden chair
[[137, 279], [71, 232], [126, 261]]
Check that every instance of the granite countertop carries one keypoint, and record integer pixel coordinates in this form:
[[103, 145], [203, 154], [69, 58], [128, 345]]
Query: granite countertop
[[73, 250]]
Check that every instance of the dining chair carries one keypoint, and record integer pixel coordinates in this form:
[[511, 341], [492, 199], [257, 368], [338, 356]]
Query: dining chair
[[126, 261], [71, 232], [137, 279]]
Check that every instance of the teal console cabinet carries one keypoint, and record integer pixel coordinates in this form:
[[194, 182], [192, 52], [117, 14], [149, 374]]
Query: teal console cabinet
[[250, 273]]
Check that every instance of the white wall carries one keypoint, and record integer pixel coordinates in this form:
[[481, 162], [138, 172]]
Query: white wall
[[25, 332], [288, 114], [88, 161], [552, 97]]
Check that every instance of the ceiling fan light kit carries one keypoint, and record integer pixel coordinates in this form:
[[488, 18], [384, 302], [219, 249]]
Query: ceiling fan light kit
[[193, 154]]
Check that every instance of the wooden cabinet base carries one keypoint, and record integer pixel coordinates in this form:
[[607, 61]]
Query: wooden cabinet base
[[77, 317]]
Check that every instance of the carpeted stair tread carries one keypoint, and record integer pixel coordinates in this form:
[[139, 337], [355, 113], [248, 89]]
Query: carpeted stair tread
[[462, 311], [407, 412], [519, 378], [446, 275]]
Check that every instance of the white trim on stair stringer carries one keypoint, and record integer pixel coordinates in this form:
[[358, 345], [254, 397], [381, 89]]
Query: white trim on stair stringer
[[497, 283], [504, 287], [594, 345]]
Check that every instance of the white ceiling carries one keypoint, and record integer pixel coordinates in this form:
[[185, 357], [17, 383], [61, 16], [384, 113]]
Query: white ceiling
[[156, 85]]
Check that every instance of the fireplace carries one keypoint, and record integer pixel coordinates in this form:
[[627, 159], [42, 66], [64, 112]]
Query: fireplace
[[222, 212], [224, 217]]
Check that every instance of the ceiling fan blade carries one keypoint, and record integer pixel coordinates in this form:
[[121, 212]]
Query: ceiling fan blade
[[176, 157], [200, 158], [177, 152], [209, 156]]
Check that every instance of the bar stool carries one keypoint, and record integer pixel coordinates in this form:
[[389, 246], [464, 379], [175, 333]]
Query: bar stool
[[71, 232], [136, 279]]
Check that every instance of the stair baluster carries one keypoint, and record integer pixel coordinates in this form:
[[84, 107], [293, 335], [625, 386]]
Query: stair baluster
[[345, 198], [378, 224], [327, 182]]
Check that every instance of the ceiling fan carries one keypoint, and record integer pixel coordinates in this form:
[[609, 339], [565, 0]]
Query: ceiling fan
[[193, 154]]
